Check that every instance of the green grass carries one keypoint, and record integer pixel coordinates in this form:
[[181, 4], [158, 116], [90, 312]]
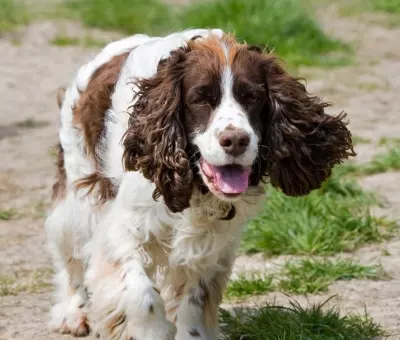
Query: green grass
[[128, 16], [285, 25], [12, 14], [312, 276], [387, 141], [382, 162], [335, 218], [7, 214], [87, 41], [305, 276], [360, 140], [317, 322], [31, 282], [389, 6], [249, 285]]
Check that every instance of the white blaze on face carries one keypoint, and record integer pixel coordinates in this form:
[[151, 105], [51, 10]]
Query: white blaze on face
[[229, 174]]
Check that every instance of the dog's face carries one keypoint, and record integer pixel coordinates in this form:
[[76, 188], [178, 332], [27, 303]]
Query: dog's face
[[224, 98], [229, 114]]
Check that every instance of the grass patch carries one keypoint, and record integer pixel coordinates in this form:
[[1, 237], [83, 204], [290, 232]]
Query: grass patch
[[12, 14], [360, 140], [312, 276], [137, 16], [286, 25], [389, 6], [317, 322], [387, 141], [31, 123], [381, 163], [335, 218], [87, 41], [249, 285], [7, 214], [25, 281], [305, 276], [369, 86]]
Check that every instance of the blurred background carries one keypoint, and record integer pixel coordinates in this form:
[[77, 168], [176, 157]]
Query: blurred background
[[326, 266]]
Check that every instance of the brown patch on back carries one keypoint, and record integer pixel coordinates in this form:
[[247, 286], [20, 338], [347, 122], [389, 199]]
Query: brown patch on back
[[89, 112], [88, 117], [59, 187]]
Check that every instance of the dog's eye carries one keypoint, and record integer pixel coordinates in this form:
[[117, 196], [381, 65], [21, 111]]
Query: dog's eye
[[253, 99], [201, 101], [205, 99], [250, 98]]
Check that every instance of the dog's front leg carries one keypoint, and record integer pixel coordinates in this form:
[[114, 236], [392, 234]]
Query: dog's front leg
[[194, 306], [124, 303], [198, 311]]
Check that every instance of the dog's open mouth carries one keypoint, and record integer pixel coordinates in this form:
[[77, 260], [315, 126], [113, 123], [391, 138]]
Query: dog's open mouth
[[230, 180]]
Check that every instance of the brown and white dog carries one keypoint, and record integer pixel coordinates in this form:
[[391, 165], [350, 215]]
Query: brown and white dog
[[165, 143]]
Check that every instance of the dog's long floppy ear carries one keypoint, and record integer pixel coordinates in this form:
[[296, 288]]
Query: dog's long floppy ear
[[155, 142], [302, 142]]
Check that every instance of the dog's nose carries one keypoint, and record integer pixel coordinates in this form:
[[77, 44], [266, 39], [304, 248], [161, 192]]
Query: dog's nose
[[234, 141]]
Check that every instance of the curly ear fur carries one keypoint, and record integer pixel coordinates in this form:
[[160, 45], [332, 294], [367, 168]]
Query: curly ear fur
[[155, 142], [303, 143]]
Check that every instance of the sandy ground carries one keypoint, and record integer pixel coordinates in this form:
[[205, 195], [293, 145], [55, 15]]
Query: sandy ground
[[31, 69]]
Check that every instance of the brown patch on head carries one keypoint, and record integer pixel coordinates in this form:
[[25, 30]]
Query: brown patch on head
[[206, 60], [221, 50], [88, 117], [59, 187]]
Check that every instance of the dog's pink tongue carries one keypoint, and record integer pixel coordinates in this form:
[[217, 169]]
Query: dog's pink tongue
[[231, 180]]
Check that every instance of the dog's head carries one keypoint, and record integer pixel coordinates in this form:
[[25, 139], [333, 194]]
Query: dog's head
[[226, 116]]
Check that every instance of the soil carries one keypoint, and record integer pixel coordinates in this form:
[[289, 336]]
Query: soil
[[31, 70]]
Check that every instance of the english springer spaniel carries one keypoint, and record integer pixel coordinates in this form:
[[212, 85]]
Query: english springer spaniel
[[165, 146]]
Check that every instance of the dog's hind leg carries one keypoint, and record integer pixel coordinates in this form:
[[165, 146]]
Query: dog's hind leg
[[68, 315], [67, 228]]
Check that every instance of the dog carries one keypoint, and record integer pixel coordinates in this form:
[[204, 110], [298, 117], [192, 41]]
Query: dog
[[165, 146]]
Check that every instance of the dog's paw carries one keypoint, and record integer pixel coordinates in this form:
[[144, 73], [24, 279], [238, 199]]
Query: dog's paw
[[118, 327], [69, 317]]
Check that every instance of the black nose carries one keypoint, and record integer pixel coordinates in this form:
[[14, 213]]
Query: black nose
[[234, 141]]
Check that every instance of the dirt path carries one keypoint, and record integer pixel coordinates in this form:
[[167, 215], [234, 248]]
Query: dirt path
[[30, 72]]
